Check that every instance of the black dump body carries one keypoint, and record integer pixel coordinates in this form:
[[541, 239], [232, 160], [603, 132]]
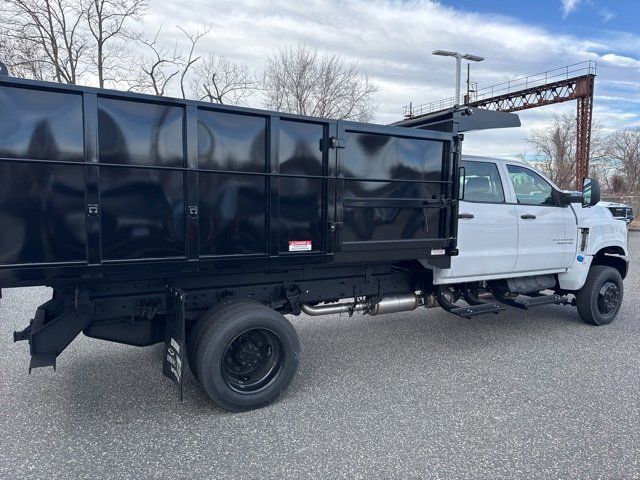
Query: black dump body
[[97, 185]]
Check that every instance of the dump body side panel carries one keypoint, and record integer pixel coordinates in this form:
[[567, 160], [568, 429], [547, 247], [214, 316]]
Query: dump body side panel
[[103, 185], [396, 190], [41, 178]]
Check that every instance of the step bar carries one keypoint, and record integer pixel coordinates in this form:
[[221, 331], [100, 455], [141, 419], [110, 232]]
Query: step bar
[[523, 302], [474, 310]]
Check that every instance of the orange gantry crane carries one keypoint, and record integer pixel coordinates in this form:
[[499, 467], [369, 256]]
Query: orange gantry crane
[[571, 82]]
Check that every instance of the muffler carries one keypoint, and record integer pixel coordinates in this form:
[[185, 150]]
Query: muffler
[[390, 304], [396, 303]]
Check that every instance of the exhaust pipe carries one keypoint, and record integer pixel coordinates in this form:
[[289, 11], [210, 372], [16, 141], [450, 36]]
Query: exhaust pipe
[[391, 304], [317, 310]]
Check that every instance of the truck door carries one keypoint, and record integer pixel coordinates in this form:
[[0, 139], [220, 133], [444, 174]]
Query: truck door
[[546, 239], [392, 188], [487, 224]]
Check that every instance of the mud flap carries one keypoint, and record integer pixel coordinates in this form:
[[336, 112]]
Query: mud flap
[[174, 349]]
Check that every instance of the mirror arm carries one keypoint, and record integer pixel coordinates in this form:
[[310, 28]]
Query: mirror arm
[[463, 175]]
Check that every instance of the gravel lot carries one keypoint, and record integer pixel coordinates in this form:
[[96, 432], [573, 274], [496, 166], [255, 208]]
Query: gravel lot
[[417, 395]]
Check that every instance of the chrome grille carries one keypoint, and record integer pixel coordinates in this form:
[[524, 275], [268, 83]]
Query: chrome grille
[[618, 211]]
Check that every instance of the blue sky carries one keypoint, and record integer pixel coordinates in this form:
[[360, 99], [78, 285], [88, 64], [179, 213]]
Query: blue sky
[[392, 40], [588, 19], [580, 18]]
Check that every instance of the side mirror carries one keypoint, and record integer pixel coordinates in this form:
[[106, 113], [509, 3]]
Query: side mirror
[[590, 192]]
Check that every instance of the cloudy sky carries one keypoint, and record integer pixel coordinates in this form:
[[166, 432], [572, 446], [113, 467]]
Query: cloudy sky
[[392, 42]]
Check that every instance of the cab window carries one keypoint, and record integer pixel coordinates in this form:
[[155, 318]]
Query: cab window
[[481, 182], [531, 188]]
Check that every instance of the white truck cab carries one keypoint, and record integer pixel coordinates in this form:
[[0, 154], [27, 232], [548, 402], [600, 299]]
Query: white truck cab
[[518, 233]]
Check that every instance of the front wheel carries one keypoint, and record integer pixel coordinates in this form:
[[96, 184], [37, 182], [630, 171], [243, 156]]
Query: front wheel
[[246, 356], [600, 299]]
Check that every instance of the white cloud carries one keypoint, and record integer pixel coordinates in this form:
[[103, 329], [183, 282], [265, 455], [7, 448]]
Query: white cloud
[[392, 42], [620, 60], [568, 6], [606, 15]]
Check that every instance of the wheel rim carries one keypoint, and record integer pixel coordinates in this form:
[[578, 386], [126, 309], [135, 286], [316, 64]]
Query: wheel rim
[[252, 360], [608, 298]]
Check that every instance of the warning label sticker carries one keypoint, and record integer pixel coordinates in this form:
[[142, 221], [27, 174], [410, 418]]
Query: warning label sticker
[[299, 245]]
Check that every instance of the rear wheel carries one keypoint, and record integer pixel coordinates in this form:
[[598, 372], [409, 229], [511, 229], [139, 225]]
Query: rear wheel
[[198, 327], [246, 356], [600, 299]]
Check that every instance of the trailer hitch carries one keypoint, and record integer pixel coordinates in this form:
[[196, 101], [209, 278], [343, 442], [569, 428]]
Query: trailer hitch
[[49, 334], [22, 335]]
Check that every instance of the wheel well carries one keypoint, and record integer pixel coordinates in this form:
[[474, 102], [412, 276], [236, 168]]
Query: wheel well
[[612, 257]]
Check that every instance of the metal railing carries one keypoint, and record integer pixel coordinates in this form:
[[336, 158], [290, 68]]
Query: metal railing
[[575, 70]]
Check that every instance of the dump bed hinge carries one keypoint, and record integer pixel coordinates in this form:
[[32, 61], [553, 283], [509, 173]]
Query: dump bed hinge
[[292, 294], [333, 226], [335, 142]]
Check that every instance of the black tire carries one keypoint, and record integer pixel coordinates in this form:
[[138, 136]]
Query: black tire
[[246, 356], [198, 327], [600, 298]]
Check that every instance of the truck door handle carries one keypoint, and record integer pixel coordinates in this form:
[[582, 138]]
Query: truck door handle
[[528, 216], [466, 215]]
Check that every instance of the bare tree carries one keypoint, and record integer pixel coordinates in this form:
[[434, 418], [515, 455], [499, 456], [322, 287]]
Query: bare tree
[[52, 28], [299, 80], [555, 148], [191, 59], [217, 79], [618, 184], [107, 22], [623, 146], [23, 58], [158, 67], [161, 65]]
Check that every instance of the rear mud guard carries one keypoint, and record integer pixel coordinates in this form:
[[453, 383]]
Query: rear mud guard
[[174, 344]]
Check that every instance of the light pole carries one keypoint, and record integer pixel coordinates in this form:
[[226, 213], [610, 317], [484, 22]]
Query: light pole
[[458, 57]]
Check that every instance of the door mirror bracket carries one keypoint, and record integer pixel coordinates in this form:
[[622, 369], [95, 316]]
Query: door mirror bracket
[[569, 197]]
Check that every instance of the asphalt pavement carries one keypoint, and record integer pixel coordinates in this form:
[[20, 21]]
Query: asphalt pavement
[[535, 394]]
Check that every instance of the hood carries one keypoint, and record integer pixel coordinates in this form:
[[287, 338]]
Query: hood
[[611, 204], [604, 230]]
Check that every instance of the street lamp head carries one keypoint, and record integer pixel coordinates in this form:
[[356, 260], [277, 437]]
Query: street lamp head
[[466, 56], [445, 53], [458, 56], [473, 58]]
